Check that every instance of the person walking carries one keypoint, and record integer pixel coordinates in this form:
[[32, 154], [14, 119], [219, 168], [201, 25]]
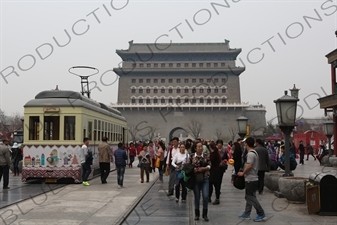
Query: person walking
[[202, 166], [145, 161], [161, 155], [120, 162], [152, 156], [215, 174], [301, 148], [263, 162], [237, 156], [132, 153], [105, 157], [310, 151], [251, 181], [5, 163], [86, 161], [16, 157], [173, 151], [223, 156], [177, 162]]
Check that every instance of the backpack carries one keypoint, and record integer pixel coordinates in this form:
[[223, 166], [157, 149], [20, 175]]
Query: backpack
[[89, 158]]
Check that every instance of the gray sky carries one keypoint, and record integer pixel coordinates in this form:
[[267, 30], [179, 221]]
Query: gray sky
[[295, 53]]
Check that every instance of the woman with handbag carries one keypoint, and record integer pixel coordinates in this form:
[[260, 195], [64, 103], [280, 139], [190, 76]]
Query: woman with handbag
[[202, 165], [237, 157], [144, 163], [178, 160], [214, 178]]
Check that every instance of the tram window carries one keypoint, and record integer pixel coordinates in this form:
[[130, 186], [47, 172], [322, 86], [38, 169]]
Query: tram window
[[90, 130], [51, 128], [99, 131], [34, 127], [69, 128]]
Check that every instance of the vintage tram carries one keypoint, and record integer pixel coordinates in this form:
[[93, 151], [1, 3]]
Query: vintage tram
[[56, 122]]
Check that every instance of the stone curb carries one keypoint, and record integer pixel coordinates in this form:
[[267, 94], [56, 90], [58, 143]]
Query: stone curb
[[190, 208], [133, 205]]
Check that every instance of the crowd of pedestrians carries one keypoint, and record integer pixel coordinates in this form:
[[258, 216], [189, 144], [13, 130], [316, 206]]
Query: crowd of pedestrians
[[196, 166]]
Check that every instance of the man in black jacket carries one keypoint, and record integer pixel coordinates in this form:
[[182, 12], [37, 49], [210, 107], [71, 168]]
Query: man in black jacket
[[301, 148], [120, 161], [5, 162], [263, 163]]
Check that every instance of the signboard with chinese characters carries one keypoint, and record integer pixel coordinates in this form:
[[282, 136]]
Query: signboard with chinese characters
[[51, 109]]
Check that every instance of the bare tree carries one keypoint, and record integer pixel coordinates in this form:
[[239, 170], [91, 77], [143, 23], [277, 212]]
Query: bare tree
[[151, 134], [218, 133], [15, 122], [270, 129], [133, 132], [233, 132], [195, 128]]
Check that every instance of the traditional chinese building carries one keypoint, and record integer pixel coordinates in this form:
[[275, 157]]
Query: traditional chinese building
[[329, 102], [183, 89]]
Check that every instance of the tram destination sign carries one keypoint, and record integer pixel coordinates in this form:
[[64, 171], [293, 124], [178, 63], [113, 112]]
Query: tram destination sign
[[51, 109]]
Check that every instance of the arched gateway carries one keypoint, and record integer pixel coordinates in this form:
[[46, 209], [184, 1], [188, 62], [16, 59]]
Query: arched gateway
[[178, 132]]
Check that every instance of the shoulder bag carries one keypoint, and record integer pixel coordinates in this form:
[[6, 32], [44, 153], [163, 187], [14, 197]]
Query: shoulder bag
[[239, 181]]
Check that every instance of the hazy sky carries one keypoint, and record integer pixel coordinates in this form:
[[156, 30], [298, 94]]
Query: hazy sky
[[292, 45]]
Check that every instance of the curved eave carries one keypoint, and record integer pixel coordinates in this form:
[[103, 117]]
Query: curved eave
[[125, 54]]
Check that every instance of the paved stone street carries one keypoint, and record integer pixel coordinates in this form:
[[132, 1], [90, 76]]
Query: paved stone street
[[106, 204]]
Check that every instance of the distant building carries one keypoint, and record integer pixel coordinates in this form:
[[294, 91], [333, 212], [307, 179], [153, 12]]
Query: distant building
[[183, 89], [305, 124]]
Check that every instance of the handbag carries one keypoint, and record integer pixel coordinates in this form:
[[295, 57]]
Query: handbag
[[180, 174], [157, 163], [166, 171], [239, 182], [139, 164], [223, 164]]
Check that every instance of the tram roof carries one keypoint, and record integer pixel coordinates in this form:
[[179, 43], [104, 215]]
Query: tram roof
[[71, 99]]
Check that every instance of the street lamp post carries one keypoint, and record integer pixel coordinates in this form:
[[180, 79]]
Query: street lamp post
[[242, 125], [329, 130], [286, 115]]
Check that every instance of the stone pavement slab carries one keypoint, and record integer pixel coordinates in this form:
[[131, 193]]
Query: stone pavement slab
[[78, 204], [106, 204], [156, 208]]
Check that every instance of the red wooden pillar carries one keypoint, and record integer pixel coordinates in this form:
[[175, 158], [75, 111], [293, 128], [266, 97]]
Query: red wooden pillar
[[333, 79], [333, 82]]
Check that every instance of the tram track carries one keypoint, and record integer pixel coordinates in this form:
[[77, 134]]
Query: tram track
[[18, 194], [30, 189]]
